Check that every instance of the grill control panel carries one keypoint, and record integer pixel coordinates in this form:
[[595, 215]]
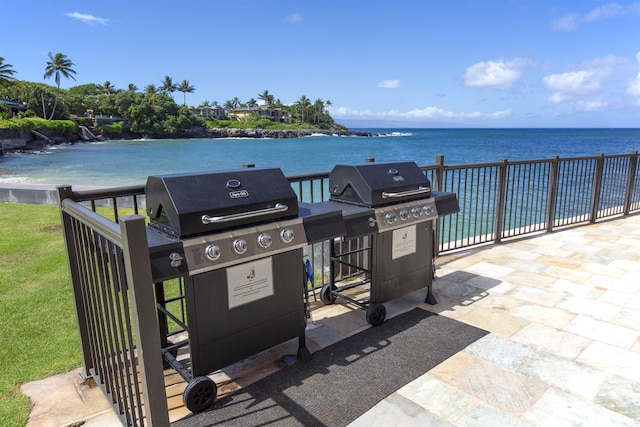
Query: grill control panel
[[214, 251], [403, 214]]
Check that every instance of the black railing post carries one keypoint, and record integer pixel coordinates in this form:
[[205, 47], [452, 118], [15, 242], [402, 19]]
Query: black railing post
[[138, 272], [552, 193], [631, 179], [597, 185], [499, 202], [438, 185], [65, 192]]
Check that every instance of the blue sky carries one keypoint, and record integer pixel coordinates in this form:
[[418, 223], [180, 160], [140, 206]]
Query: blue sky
[[403, 63]]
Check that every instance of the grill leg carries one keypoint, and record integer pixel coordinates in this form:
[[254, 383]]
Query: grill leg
[[430, 299]]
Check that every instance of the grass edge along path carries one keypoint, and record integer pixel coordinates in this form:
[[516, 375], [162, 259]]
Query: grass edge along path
[[39, 336]]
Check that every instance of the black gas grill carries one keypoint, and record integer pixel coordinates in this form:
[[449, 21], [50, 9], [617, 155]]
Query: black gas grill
[[388, 210], [236, 240]]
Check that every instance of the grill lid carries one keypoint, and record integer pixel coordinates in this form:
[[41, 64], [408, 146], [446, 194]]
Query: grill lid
[[378, 184], [191, 204]]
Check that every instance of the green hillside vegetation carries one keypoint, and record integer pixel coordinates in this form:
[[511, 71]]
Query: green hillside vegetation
[[152, 111]]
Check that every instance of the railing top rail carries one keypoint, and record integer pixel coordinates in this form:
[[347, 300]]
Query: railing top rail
[[95, 221], [107, 193], [307, 176]]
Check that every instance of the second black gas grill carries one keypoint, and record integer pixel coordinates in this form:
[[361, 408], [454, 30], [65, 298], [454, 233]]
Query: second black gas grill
[[235, 238], [388, 210]]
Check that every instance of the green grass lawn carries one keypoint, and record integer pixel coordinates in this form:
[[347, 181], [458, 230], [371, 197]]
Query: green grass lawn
[[38, 332]]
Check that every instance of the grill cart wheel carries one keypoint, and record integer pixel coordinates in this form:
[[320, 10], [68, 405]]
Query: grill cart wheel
[[326, 296], [376, 314], [200, 394]]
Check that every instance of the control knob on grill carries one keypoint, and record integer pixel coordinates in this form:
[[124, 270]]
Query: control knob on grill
[[415, 211], [239, 246], [404, 215], [212, 252], [286, 235], [264, 240], [427, 209], [390, 217]]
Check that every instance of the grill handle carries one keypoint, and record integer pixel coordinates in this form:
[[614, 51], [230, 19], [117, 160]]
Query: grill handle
[[419, 190], [279, 207]]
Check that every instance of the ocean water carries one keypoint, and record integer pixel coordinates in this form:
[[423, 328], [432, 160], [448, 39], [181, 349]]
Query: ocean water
[[115, 163]]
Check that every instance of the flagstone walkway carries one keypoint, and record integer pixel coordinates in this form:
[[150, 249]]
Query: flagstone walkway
[[563, 312]]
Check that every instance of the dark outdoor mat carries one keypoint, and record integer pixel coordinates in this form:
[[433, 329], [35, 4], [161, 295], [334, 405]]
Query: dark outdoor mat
[[346, 379]]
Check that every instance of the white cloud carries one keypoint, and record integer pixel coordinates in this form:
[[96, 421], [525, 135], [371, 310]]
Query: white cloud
[[633, 88], [581, 82], [88, 19], [417, 114], [498, 74], [294, 18], [609, 10], [571, 21], [597, 105], [389, 83], [566, 23]]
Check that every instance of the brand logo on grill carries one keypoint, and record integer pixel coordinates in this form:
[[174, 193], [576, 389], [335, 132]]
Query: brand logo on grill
[[238, 194], [398, 178]]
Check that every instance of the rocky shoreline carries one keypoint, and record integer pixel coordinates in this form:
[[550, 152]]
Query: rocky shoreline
[[11, 141]]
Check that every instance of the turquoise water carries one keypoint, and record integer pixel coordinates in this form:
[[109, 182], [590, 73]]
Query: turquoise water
[[130, 162]]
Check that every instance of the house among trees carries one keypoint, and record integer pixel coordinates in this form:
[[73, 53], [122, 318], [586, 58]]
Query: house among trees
[[209, 112], [261, 112], [13, 107]]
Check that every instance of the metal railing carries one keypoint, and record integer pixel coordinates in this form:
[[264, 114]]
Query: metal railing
[[112, 283]]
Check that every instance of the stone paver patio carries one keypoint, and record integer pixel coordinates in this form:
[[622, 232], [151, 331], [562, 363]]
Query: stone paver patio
[[563, 312]]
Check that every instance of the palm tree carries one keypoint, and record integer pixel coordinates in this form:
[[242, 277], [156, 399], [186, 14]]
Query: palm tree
[[6, 72], [58, 64], [318, 109], [168, 87], [132, 87], [266, 97], [107, 88], [235, 102], [303, 104], [252, 103], [185, 87], [150, 89]]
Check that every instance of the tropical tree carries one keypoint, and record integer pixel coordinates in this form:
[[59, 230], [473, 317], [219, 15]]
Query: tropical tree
[[266, 97], [302, 105], [185, 87], [107, 88], [132, 87], [234, 103], [252, 103], [6, 72], [168, 87], [318, 109], [150, 89], [58, 64]]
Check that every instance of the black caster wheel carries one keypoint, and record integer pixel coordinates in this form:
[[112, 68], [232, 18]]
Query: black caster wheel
[[376, 314], [200, 394], [326, 296]]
